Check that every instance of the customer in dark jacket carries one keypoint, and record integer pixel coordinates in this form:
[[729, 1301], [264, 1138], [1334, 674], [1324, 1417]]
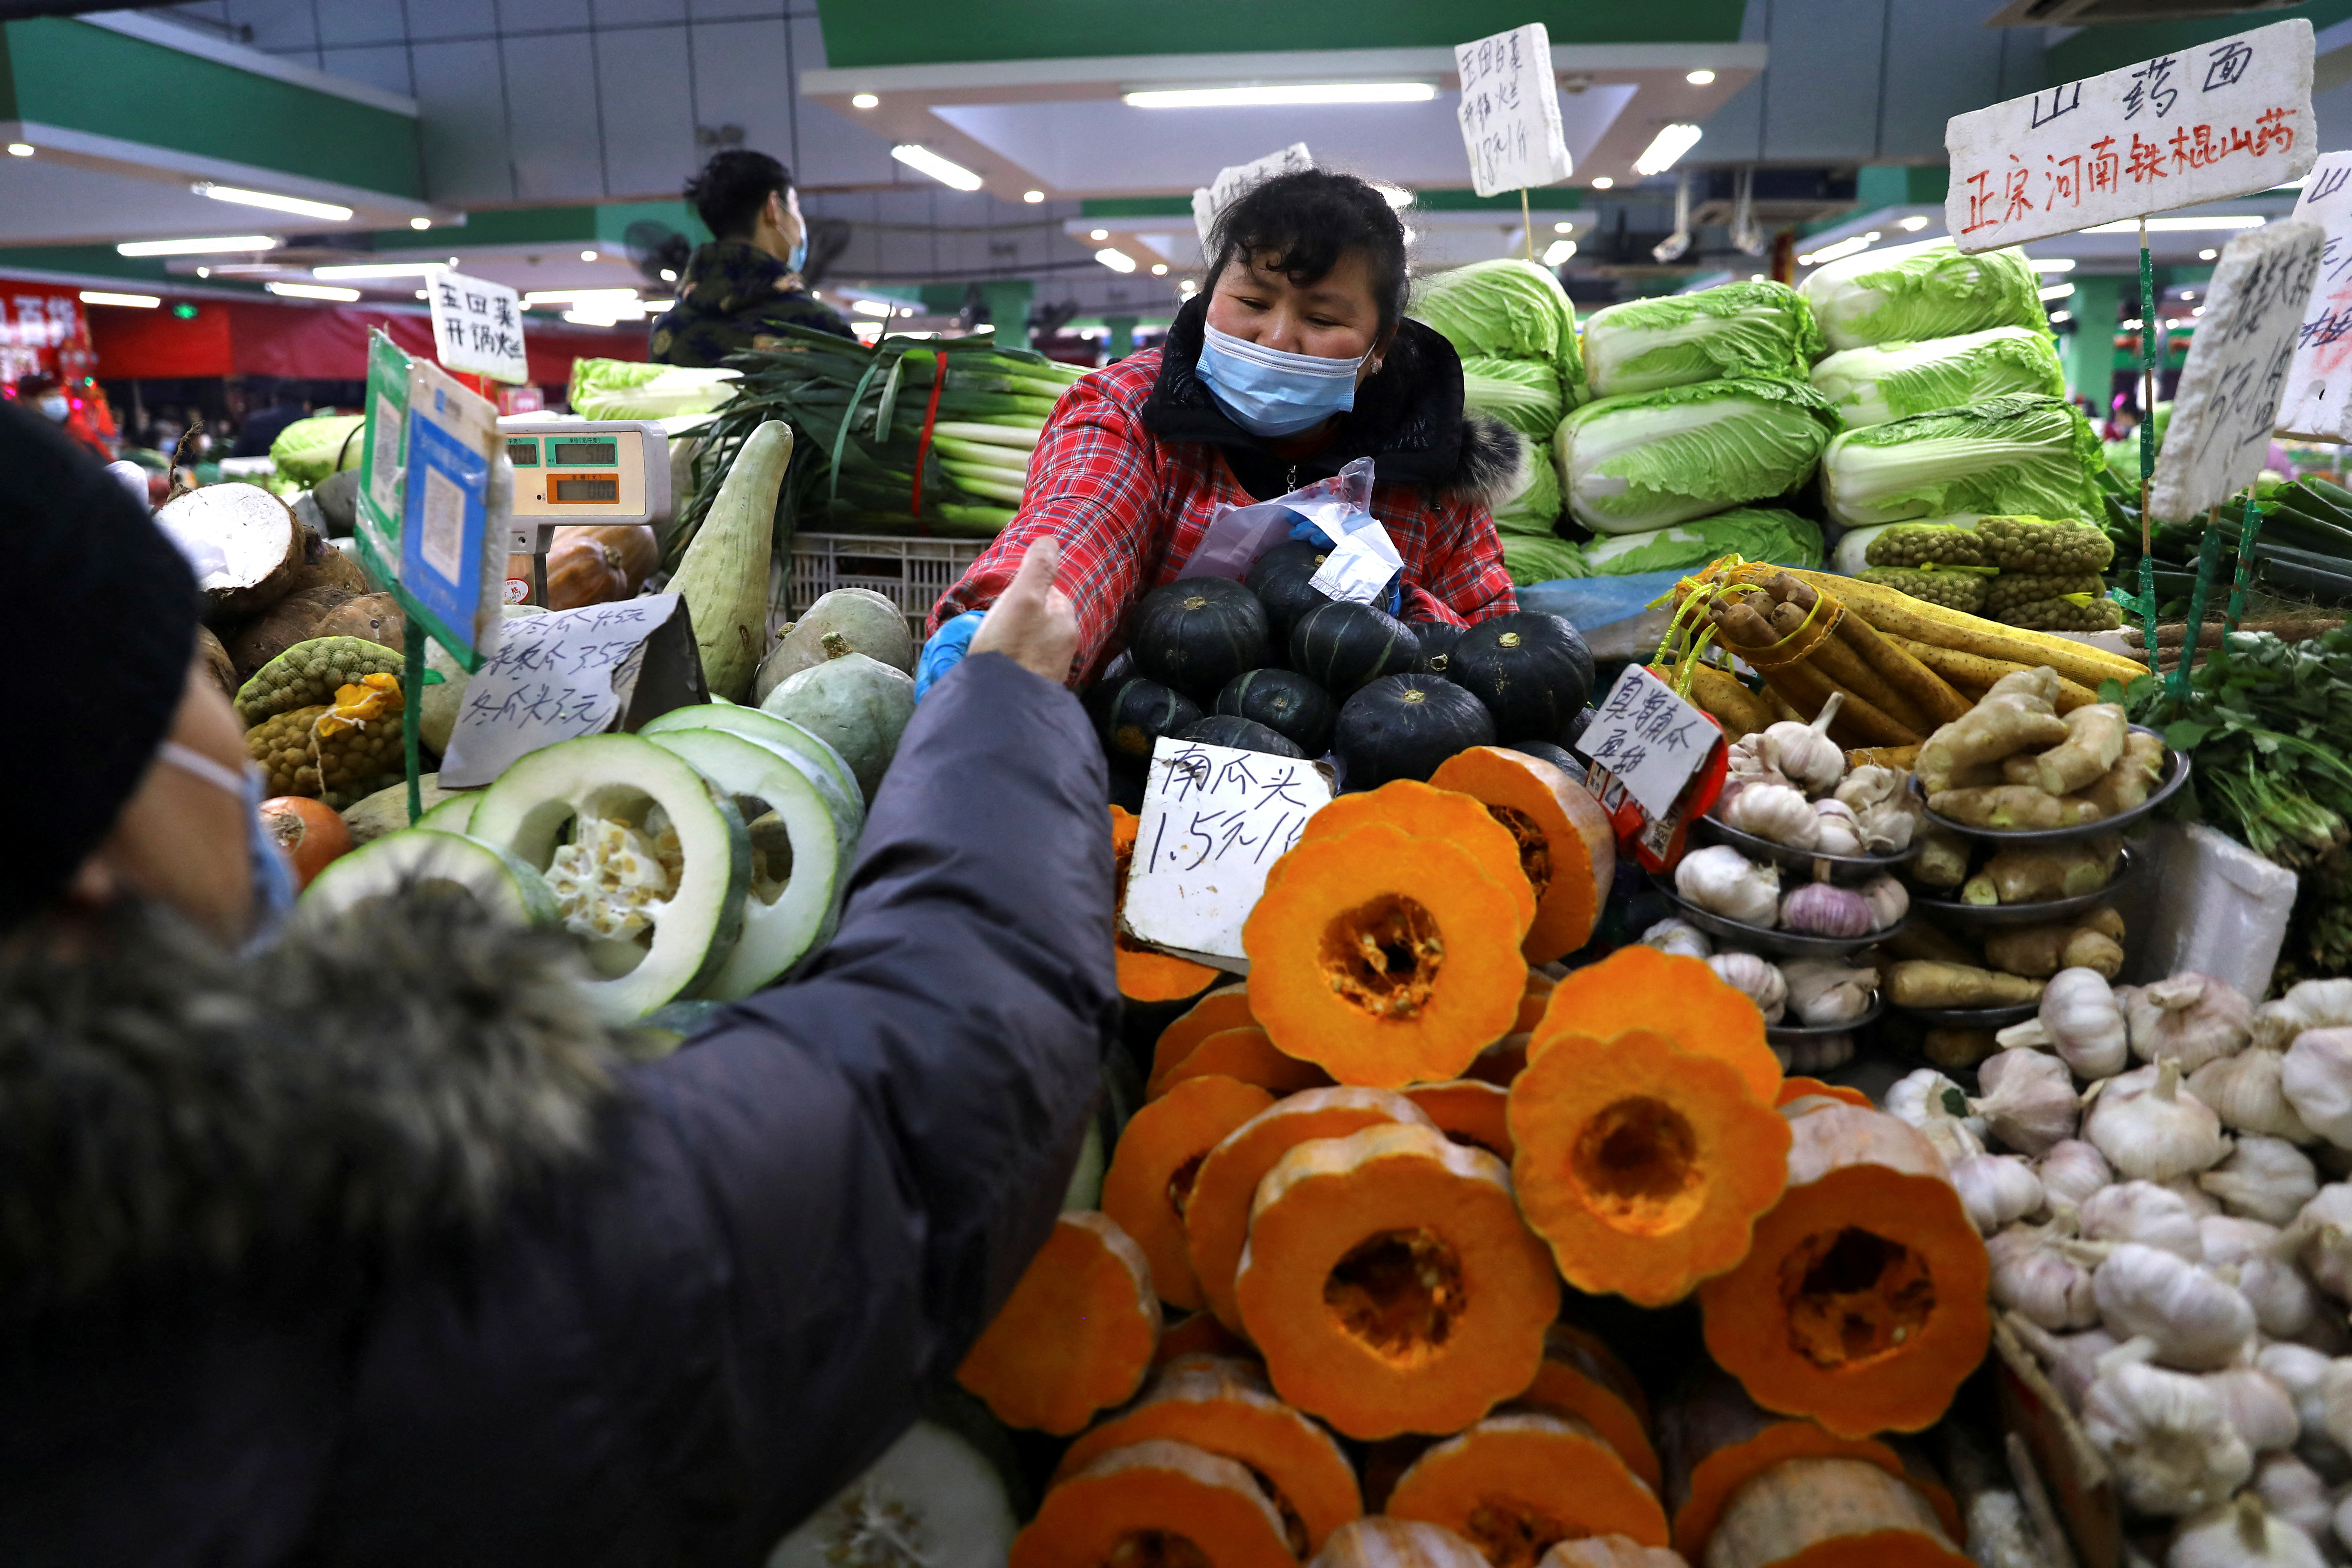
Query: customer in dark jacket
[[740, 288], [371, 1247]]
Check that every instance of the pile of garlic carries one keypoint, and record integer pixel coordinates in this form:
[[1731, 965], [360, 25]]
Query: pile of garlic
[[1791, 993], [2147, 1165]]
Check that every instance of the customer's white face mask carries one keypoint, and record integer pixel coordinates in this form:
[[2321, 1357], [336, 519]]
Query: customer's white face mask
[[273, 879]]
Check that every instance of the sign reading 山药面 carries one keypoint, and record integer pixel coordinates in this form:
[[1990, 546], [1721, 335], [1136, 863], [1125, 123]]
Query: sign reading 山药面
[[2199, 125]]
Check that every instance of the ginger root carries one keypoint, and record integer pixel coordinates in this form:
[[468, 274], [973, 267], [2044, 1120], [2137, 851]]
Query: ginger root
[[2012, 805], [1917, 983], [2127, 784], [2094, 943], [2016, 715], [2094, 738], [2055, 871]]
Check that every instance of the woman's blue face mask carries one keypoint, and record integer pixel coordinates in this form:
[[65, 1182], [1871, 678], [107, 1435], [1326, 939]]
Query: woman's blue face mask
[[273, 879], [1267, 392]]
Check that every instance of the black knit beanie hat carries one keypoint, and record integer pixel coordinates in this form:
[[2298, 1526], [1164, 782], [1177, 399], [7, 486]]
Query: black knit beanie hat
[[96, 644]]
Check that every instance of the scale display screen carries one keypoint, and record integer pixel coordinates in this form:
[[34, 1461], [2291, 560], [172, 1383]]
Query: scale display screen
[[599, 454], [583, 490], [524, 454]]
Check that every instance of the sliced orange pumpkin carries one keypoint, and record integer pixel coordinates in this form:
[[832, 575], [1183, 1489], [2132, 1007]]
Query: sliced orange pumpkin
[[1385, 958], [1568, 851], [1518, 1484], [1640, 987], [1077, 1333], [1429, 812], [1146, 974], [1226, 1007], [1796, 1089], [1248, 1054], [1150, 1180], [1199, 1333], [1718, 1440], [1469, 1112], [1156, 1502], [1830, 1513], [1533, 1001], [1580, 1378]]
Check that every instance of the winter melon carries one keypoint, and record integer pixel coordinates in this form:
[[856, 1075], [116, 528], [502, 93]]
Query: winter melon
[[933, 1498], [863, 619], [856, 705], [421, 860]]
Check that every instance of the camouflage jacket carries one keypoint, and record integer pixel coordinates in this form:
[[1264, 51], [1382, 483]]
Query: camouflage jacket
[[730, 299]]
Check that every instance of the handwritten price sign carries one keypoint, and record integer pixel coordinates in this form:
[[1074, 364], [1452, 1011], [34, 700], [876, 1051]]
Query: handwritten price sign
[[1647, 743], [2199, 125], [1510, 110], [2318, 404], [554, 678], [1215, 821]]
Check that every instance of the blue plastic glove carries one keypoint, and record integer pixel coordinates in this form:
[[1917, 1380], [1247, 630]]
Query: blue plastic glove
[[1306, 531], [945, 650]]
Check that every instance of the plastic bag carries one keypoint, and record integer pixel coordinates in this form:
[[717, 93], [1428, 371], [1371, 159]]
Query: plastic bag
[[1364, 564]]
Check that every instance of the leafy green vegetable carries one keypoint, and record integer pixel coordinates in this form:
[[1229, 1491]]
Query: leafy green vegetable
[[1523, 394], [1893, 381], [2018, 454], [628, 389], [1909, 294], [1534, 507], [1734, 328], [309, 449], [1756, 533], [1506, 309], [1530, 559], [1633, 464]]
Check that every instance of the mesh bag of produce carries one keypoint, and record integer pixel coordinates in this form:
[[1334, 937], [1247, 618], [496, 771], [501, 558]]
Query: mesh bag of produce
[[2071, 614], [1915, 543], [2043, 545], [2011, 589], [1962, 590]]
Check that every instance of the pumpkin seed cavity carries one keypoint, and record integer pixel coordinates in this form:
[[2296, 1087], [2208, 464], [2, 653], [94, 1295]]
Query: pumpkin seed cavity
[[1514, 1534], [1384, 956], [1534, 849], [1637, 1163], [1156, 1549], [1399, 1292], [1850, 1295]]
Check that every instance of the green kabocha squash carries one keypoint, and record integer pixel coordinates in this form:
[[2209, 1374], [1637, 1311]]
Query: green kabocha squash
[[856, 705], [1405, 727], [1437, 639], [1282, 579], [1241, 735], [1341, 645], [1532, 671], [1560, 757], [1286, 702], [1197, 633], [1577, 723], [1140, 711]]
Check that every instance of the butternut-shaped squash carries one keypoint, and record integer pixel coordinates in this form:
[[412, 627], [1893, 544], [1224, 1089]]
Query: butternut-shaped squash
[[1516, 1485], [1380, 1541], [1198, 1334], [1246, 1054], [1429, 812], [1580, 1377], [1390, 1283], [1217, 1215], [1796, 1089], [1862, 1301], [1226, 1007], [1638, 987], [1076, 1336], [1642, 1165], [1568, 851], [1223, 1406], [1830, 1513], [1468, 1112], [1717, 1440], [1169, 1505], [1611, 1552], [1383, 958], [1158, 1153], [1146, 974]]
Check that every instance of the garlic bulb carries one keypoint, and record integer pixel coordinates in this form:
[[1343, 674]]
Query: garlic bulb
[[2202, 1204], [1824, 991], [2267, 1179], [2071, 1172], [2081, 1020], [1592, 1552], [2165, 1434], [2071, 1359], [1836, 832], [1996, 1189], [2308, 1004], [1813, 761], [2294, 1494], [2259, 1411], [1889, 828], [2247, 1092], [1755, 759], [2316, 1079], [1754, 978], [2324, 1227], [2147, 1214], [2148, 1126], [2303, 1372], [1824, 908], [1722, 881], [1887, 899], [1925, 1095], [2190, 1018], [1779, 812], [2242, 1535], [2029, 1102], [2042, 1275], [1870, 784], [2336, 1401], [2196, 1322], [1678, 936], [2259, 1259]]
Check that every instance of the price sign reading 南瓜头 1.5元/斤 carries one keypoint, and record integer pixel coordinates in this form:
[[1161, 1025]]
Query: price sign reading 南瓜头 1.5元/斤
[[1510, 111], [2202, 123]]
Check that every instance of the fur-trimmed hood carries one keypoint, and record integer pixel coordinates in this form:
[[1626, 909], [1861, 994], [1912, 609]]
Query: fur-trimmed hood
[[1409, 418], [366, 1089]]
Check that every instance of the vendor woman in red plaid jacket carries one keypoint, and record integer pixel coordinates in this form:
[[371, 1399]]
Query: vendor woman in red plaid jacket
[[1296, 361]]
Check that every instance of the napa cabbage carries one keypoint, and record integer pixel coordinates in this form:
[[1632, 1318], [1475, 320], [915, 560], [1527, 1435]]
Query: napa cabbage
[[1523, 394], [1632, 464], [1734, 328], [1506, 309], [309, 449], [631, 389], [1909, 293], [1753, 533], [1893, 381], [2023, 453]]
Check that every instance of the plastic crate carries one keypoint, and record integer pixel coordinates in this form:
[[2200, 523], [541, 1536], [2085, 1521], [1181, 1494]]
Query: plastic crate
[[911, 573]]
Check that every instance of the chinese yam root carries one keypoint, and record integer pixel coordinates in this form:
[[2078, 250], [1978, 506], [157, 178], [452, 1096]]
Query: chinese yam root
[[1156, 1504], [1390, 1283], [1517, 1485], [1146, 975], [1567, 847], [1642, 988], [1149, 1181], [1830, 1513], [1076, 1336]]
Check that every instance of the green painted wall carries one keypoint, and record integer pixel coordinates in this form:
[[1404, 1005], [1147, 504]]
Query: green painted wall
[[1879, 185], [83, 78], [2088, 352], [2096, 49], [928, 32]]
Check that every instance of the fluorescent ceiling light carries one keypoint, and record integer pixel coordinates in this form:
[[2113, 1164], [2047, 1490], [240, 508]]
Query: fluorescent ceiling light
[[947, 172], [1117, 260], [97, 296], [1159, 269], [579, 296], [1559, 250], [864, 101], [587, 255], [1665, 148], [1395, 195], [244, 270], [1913, 224], [1099, 234], [420, 223], [1563, 229], [2051, 263], [1853, 244], [328, 210], [1700, 78], [2057, 291], [2181, 224], [874, 308], [2207, 255], [20, 149], [2057, 316], [1032, 197], [1601, 182], [226, 244], [313, 291], [380, 270], [1280, 93]]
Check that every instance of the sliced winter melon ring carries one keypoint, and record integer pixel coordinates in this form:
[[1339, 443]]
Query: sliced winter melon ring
[[754, 724], [782, 920], [605, 777], [453, 815], [932, 1496], [423, 859]]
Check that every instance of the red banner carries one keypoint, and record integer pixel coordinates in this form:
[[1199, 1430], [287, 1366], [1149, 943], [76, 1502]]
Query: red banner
[[43, 330]]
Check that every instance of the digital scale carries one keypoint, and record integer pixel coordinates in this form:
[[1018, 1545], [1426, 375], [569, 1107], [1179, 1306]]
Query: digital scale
[[573, 470]]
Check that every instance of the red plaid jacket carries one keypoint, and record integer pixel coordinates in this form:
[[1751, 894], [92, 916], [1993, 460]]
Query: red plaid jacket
[[1129, 509]]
